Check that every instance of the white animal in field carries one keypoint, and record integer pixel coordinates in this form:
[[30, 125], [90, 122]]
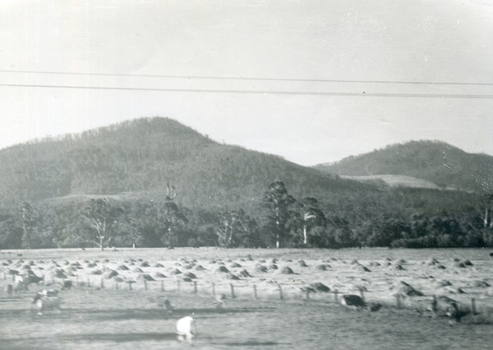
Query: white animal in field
[[220, 300], [185, 328], [47, 300], [20, 284]]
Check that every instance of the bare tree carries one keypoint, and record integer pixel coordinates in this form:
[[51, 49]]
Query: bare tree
[[99, 217]]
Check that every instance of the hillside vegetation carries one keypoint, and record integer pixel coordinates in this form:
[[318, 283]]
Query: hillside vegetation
[[155, 182], [433, 161]]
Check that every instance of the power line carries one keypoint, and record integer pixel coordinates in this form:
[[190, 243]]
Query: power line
[[247, 78], [258, 92]]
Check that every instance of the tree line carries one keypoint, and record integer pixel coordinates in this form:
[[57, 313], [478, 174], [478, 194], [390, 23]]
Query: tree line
[[280, 220]]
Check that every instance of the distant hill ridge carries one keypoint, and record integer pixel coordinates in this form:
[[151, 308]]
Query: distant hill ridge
[[434, 161]]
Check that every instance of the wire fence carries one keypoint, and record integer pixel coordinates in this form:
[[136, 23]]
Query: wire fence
[[286, 292]]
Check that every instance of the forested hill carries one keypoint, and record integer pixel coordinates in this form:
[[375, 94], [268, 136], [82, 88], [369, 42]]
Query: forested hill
[[434, 161], [140, 157], [155, 182]]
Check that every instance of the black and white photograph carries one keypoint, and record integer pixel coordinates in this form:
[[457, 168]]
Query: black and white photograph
[[246, 174]]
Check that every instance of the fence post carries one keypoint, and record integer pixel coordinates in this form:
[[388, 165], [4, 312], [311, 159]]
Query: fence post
[[129, 285], [473, 306], [232, 291], [162, 286], [145, 284], [281, 297], [255, 291], [213, 289], [195, 287], [307, 294], [102, 283], [398, 297], [336, 292]]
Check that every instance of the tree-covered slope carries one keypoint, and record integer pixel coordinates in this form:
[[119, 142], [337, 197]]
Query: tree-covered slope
[[434, 161], [142, 156]]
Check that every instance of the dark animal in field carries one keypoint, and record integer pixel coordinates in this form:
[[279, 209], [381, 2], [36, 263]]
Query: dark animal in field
[[353, 300], [46, 300], [32, 278], [185, 328], [445, 306], [456, 312]]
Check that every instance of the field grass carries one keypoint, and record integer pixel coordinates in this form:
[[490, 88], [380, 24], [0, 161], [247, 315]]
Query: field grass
[[99, 316]]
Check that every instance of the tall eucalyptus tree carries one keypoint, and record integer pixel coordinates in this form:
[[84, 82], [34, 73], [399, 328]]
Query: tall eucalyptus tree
[[278, 202]]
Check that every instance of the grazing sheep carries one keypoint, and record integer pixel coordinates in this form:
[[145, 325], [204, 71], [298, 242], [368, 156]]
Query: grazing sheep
[[185, 328], [46, 300]]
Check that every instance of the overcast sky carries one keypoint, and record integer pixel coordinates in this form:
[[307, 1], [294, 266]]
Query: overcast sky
[[312, 81]]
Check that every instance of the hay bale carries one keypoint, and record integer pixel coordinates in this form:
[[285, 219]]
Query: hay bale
[[302, 263], [481, 284], [245, 273], [444, 283], [159, 275], [287, 270], [260, 268], [199, 268], [434, 261], [111, 274], [190, 275], [222, 269], [322, 267], [273, 267], [407, 289], [320, 287], [122, 268], [231, 276], [235, 265], [146, 277]]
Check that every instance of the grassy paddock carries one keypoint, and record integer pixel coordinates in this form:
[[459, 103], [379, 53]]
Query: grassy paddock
[[102, 313]]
